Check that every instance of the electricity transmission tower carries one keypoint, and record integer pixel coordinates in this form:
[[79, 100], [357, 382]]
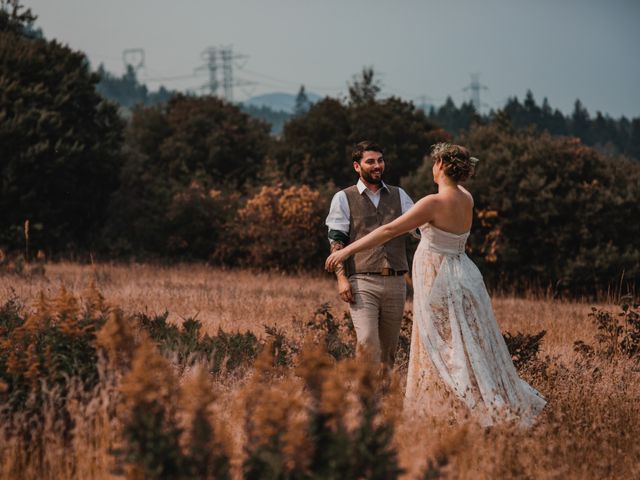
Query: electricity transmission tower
[[210, 56], [133, 57], [227, 73], [224, 58], [474, 87]]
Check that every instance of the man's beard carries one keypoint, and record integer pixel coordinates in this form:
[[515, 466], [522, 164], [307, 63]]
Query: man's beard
[[369, 178]]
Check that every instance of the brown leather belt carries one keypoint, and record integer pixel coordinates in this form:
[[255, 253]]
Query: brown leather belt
[[386, 272]]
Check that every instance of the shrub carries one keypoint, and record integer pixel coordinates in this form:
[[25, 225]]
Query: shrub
[[363, 450], [324, 442], [618, 334], [222, 353], [157, 444], [282, 349], [47, 348], [150, 427], [206, 443], [337, 336], [282, 228], [523, 348], [195, 220], [48, 366]]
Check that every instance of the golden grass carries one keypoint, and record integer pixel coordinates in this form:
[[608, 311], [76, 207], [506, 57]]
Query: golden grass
[[241, 299], [231, 299], [588, 430]]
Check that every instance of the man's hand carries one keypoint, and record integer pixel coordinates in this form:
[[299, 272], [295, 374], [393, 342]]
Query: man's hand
[[334, 261], [344, 289]]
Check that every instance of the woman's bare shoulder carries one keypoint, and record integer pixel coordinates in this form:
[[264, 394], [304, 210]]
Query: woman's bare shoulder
[[466, 193], [429, 199]]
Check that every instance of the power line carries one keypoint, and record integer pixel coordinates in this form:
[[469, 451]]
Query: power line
[[289, 82], [222, 60], [170, 78]]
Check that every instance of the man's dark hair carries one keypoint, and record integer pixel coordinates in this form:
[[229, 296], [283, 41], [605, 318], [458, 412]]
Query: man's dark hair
[[365, 146]]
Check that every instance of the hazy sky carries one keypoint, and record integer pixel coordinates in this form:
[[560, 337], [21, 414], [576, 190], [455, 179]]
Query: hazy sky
[[562, 49]]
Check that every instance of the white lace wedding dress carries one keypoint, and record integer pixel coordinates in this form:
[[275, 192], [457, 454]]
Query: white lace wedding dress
[[459, 364]]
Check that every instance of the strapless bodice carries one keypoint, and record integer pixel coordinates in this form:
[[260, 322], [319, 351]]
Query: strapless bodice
[[442, 242]]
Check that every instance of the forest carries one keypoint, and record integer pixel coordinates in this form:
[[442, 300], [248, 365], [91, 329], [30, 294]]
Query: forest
[[164, 176]]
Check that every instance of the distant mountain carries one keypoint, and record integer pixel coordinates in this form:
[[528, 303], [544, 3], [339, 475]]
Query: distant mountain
[[279, 101]]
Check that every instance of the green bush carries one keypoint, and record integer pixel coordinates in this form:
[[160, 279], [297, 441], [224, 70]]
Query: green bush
[[223, 353], [549, 212]]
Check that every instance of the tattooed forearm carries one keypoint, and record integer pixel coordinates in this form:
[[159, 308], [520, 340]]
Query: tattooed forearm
[[335, 246]]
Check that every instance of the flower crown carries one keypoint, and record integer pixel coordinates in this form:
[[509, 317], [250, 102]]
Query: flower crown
[[444, 148]]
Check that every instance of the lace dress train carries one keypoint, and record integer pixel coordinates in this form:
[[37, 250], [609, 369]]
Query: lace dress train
[[459, 363]]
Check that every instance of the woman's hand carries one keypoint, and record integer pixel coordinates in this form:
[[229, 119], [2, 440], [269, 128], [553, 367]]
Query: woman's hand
[[334, 260]]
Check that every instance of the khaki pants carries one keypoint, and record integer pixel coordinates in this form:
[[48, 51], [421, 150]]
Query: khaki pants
[[377, 313]]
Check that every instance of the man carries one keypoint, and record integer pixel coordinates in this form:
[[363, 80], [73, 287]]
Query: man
[[372, 281]]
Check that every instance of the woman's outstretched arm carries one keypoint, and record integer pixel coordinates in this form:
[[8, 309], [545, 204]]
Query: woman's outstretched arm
[[419, 214]]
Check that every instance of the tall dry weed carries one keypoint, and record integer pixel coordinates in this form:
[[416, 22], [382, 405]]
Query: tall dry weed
[[81, 380]]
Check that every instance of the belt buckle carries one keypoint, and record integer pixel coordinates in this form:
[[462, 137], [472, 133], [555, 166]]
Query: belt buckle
[[387, 272]]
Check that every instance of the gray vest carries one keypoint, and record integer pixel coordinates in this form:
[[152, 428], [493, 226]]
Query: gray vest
[[365, 218]]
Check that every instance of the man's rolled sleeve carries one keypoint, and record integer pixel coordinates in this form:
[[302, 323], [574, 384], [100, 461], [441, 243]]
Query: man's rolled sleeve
[[338, 236], [338, 219]]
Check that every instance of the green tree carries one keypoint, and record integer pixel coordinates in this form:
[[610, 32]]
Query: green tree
[[365, 87], [14, 18], [60, 141], [454, 119], [302, 102], [315, 147], [580, 122], [634, 139], [276, 118], [127, 92], [610, 136], [179, 157]]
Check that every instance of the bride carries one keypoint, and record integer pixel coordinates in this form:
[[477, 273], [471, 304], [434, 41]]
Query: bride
[[458, 355]]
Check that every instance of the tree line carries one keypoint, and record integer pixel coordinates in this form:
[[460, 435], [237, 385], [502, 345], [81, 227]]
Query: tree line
[[197, 178], [608, 135]]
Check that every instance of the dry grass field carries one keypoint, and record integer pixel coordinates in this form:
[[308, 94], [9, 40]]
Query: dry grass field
[[244, 300], [588, 430]]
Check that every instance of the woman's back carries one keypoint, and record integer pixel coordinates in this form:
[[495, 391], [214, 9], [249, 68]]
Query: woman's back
[[454, 210]]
